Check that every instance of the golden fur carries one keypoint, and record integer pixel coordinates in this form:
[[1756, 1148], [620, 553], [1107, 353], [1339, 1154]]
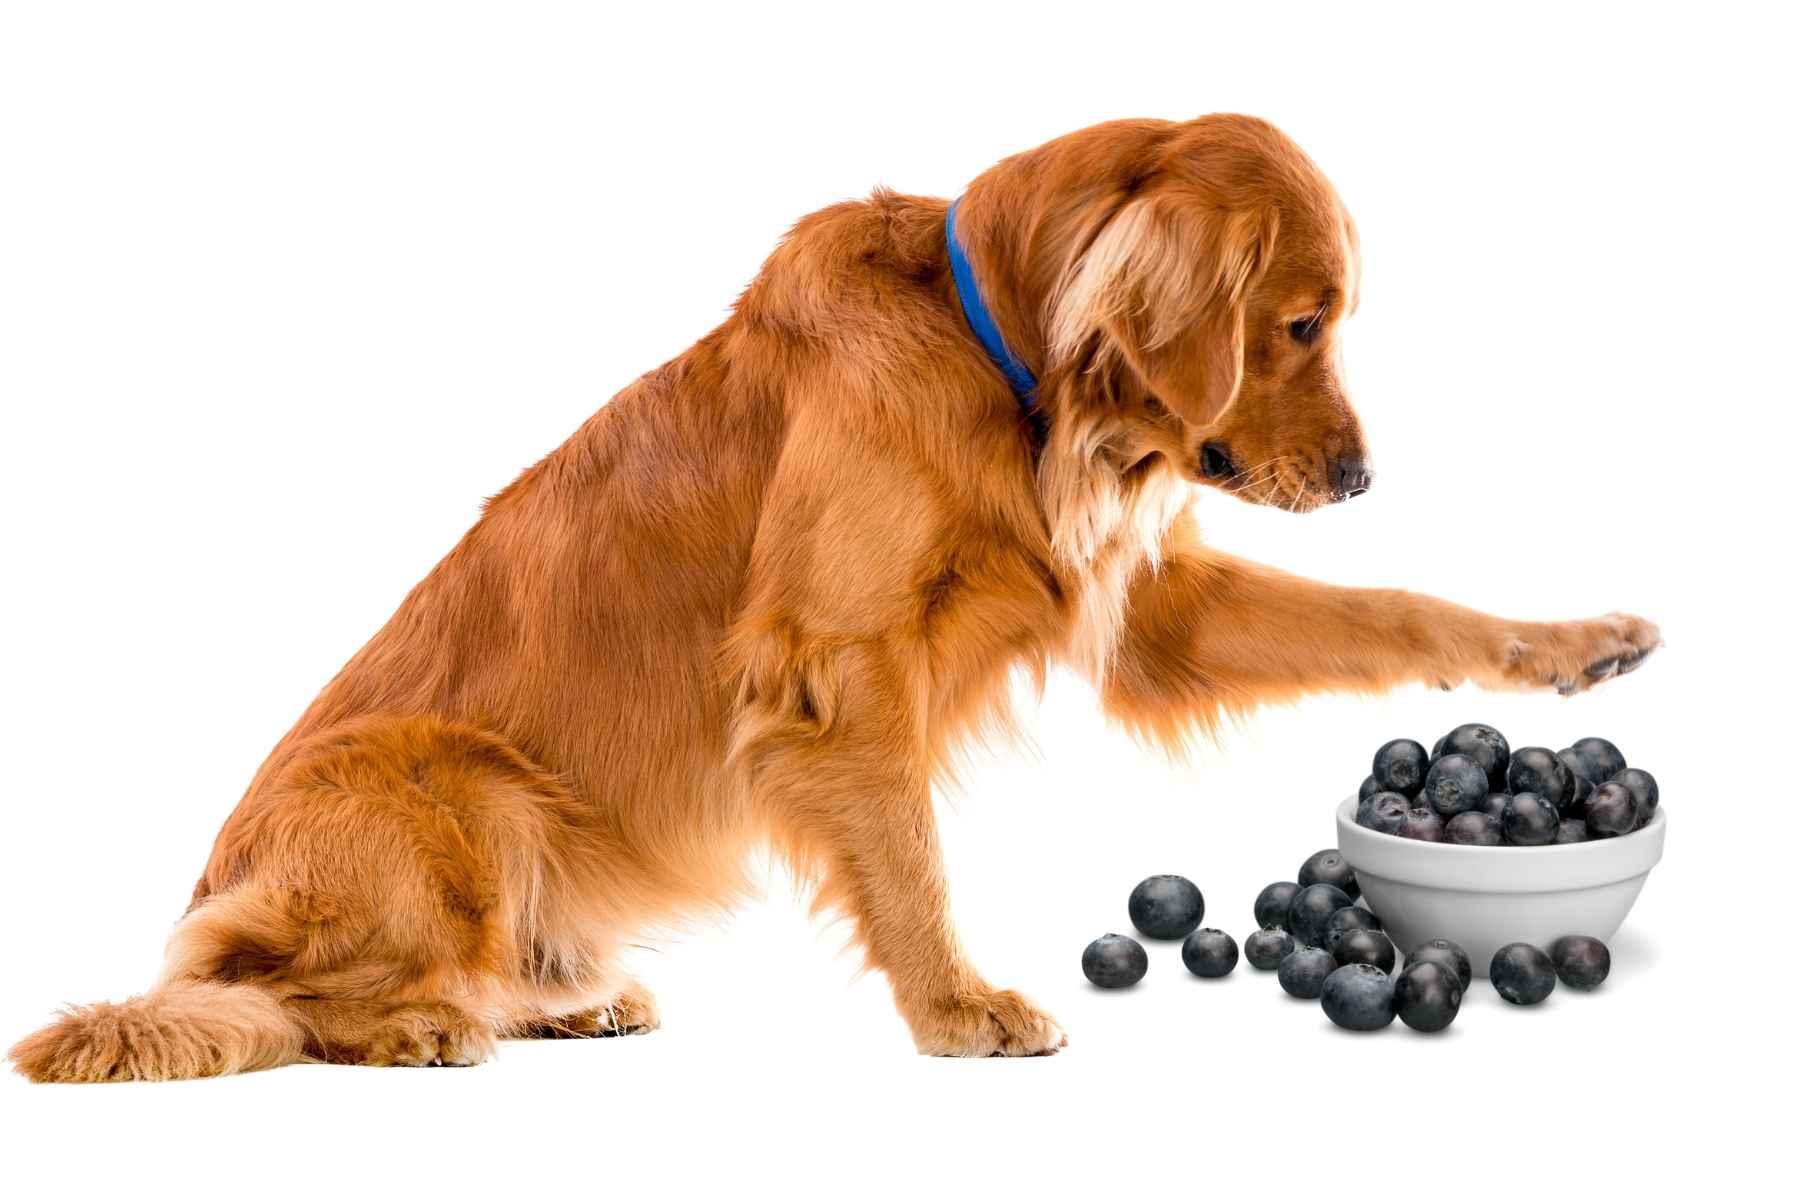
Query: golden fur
[[761, 597]]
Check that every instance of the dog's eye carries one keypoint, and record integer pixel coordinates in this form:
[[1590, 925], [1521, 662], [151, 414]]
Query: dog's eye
[[1306, 329]]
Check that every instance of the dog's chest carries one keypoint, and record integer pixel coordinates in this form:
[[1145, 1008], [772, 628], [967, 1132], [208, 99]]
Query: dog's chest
[[1118, 533]]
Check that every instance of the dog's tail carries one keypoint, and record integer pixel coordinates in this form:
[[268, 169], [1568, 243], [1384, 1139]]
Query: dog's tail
[[203, 1018]]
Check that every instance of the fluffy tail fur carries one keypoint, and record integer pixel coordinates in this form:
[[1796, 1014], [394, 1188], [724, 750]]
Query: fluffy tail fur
[[180, 1030]]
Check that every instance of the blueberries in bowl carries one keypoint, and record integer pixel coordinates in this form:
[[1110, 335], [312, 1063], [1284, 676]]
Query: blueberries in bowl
[[1576, 804], [1596, 759], [1484, 745], [1209, 953], [1473, 829], [1538, 771], [1643, 786], [1166, 907], [1427, 996], [1530, 820], [1312, 909], [1612, 810], [1454, 784], [1421, 825], [1522, 973], [1360, 997], [1328, 866], [1446, 954], [1267, 947], [1303, 973], [1114, 961], [1400, 767], [1383, 812], [1363, 946], [1272, 904], [1582, 962], [1493, 804], [1571, 829], [1369, 788]]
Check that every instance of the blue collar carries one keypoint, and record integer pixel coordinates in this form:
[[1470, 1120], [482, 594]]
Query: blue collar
[[1023, 384]]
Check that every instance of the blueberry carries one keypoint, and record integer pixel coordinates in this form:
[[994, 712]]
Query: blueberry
[[1569, 830], [1209, 953], [1369, 788], [1400, 766], [1383, 812], [1422, 825], [1447, 954], [1529, 821], [1522, 973], [1538, 771], [1473, 829], [1363, 946], [1643, 785], [1582, 962], [1359, 997], [1166, 907], [1114, 961], [1455, 784], [1427, 996], [1600, 760], [1311, 909], [1612, 810], [1576, 804], [1302, 973], [1493, 804], [1272, 904], [1485, 745], [1328, 866], [1343, 921], [1267, 947]]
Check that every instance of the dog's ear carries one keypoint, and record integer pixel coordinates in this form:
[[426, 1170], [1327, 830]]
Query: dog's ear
[[1163, 284]]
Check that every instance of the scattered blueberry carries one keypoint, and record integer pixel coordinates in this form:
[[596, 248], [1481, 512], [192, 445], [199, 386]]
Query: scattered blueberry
[[1522, 973], [1369, 788], [1530, 820], [1473, 829], [1538, 771], [1312, 909], [1359, 997], [1383, 812], [1267, 947], [1612, 810], [1422, 825], [1400, 766], [1427, 996], [1485, 745], [1363, 946], [1343, 921], [1209, 953], [1447, 954], [1272, 904], [1599, 759], [1582, 962], [1455, 784], [1166, 907], [1643, 785], [1328, 866], [1303, 973], [1571, 829], [1114, 961]]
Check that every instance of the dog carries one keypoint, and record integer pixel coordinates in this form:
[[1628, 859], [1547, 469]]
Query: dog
[[761, 596]]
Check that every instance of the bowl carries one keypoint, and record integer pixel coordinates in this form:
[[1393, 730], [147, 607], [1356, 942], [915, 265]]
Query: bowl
[[1483, 897]]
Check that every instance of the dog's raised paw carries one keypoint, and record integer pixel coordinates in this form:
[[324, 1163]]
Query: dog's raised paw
[[1572, 656], [996, 1024]]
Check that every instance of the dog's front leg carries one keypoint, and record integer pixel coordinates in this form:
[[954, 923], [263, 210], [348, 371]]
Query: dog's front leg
[[839, 771], [1209, 634]]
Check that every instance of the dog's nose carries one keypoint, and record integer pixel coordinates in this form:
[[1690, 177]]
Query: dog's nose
[[1350, 476]]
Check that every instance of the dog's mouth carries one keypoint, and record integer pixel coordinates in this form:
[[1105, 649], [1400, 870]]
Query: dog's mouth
[[1284, 481]]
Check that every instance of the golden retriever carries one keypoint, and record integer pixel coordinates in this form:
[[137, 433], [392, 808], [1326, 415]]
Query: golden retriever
[[759, 597]]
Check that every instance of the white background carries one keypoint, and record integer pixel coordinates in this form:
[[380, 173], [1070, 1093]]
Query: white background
[[284, 291]]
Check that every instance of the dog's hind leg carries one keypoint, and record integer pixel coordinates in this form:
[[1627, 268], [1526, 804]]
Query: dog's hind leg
[[632, 1011], [376, 1034]]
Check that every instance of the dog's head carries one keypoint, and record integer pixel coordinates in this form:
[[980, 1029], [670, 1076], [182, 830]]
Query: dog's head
[[1200, 297]]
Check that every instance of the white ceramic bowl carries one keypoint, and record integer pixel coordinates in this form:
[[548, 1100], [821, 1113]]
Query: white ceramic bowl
[[1483, 897]]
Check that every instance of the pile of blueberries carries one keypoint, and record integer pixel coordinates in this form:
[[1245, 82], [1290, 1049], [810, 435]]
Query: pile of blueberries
[[1475, 790], [1323, 946]]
